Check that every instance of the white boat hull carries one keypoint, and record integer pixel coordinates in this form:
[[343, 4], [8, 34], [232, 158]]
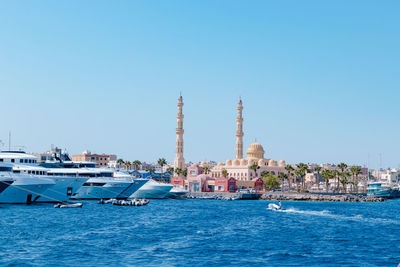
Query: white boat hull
[[152, 189], [24, 190], [109, 190], [63, 190]]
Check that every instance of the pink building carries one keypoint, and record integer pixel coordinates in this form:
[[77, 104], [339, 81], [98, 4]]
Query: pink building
[[225, 185]]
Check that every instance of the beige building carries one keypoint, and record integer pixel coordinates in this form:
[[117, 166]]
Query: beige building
[[239, 168], [102, 160]]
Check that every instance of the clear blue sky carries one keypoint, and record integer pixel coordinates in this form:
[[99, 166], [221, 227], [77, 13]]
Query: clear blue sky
[[319, 79]]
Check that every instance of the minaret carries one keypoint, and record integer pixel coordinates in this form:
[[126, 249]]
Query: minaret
[[179, 161], [239, 131]]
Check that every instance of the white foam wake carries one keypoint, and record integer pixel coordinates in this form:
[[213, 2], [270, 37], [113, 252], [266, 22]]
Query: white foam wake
[[328, 214]]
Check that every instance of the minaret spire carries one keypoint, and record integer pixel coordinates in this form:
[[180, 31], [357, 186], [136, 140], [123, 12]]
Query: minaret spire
[[179, 161], [239, 131]]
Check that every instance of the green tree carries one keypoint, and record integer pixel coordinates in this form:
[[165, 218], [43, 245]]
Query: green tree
[[120, 162], [224, 173], [127, 165], [150, 170], [289, 170], [206, 169], [335, 175], [342, 166], [255, 167], [326, 175], [303, 168], [178, 171], [344, 180], [282, 176], [184, 172], [318, 170], [356, 171], [136, 163], [170, 170], [271, 182], [299, 176], [162, 162]]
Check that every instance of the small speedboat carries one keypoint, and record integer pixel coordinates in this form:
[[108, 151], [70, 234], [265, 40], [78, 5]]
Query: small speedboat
[[273, 206], [68, 205]]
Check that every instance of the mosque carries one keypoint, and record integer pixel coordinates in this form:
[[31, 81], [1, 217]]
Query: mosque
[[240, 175], [239, 168]]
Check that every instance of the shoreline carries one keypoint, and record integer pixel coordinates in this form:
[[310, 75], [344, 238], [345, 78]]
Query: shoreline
[[286, 196]]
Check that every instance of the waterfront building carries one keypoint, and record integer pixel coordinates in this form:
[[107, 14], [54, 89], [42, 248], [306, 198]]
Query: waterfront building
[[102, 160]]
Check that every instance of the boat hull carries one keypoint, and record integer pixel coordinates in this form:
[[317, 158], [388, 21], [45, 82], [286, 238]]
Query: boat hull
[[63, 190], [152, 190], [24, 190], [109, 190]]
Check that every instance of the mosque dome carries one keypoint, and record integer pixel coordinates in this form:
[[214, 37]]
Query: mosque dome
[[255, 151], [228, 162], [203, 164], [271, 162], [243, 162], [220, 164], [282, 163], [236, 162]]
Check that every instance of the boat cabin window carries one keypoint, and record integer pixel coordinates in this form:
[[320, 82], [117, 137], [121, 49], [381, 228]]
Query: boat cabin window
[[5, 169], [106, 174], [12, 160]]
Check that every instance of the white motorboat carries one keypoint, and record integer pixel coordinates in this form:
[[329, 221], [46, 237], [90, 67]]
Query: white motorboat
[[152, 189], [177, 192], [273, 206]]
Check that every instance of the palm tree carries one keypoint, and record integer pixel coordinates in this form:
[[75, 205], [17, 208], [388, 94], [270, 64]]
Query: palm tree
[[289, 170], [342, 166], [318, 170], [344, 181], [282, 176], [206, 169], [136, 163], [184, 172], [120, 162], [255, 167], [127, 164], [299, 174], [162, 162], [355, 170], [224, 173], [335, 175], [170, 170], [327, 174], [150, 170], [178, 171], [303, 168]]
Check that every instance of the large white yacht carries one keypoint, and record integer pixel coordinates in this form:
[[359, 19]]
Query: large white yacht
[[153, 189], [5, 179], [24, 189], [104, 185], [66, 183]]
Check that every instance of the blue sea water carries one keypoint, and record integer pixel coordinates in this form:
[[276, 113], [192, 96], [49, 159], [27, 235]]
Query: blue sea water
[[202, 233]]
